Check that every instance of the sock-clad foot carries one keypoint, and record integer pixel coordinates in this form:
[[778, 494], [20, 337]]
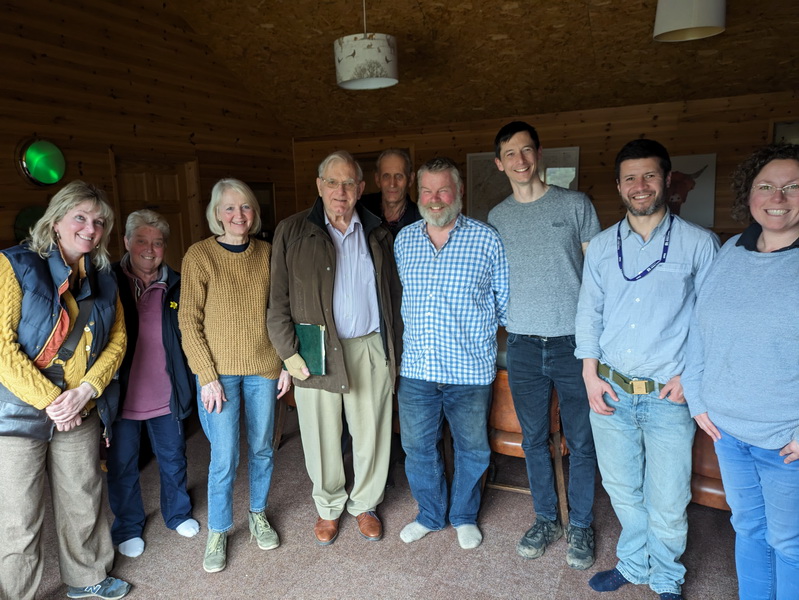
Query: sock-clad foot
[[538, 537], [469, 536], [413, 532], [189, 528], [132, 547], [262, 531], [109, 588], [607, 581], [580, 554], [215, 552]]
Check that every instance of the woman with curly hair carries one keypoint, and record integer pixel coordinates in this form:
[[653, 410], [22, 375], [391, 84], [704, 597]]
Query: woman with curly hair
[[741, 378]]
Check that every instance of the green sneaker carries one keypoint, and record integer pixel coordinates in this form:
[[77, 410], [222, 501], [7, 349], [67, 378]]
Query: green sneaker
[[215, 552], [261, 530]]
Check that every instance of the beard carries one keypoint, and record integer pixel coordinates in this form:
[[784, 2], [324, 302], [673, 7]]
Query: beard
[[655, 206], [442, 218]]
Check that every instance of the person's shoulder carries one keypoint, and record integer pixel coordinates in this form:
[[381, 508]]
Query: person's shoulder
[[292, 224], [502, 208], [408, 232], [480, 229], [695, 232]]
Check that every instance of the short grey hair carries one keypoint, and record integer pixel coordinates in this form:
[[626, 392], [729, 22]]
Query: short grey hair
[[441, 164], [146, 218], [343, 156], [221, 186], [43, 239], [395, 152]]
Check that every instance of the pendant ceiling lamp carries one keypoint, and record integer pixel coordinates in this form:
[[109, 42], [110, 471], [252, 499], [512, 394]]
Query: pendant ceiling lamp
[[366, 61], [686, 20]]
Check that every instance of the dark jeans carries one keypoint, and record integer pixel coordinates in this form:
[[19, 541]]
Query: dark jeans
[[124, 489], [534, 365]]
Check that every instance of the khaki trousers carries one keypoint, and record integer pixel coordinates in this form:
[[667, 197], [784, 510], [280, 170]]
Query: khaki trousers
[[85, 552], [367, 407]]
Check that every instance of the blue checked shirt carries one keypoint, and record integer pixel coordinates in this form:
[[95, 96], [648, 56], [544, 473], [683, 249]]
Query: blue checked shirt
[[453, 299]]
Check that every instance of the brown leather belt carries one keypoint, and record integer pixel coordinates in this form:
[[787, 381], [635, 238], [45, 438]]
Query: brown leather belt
[[631, 386]]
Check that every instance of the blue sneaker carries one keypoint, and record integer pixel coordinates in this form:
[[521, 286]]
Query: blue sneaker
[[109, 588]]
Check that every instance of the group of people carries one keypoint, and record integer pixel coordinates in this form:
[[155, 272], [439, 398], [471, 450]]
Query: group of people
[[639, 328]]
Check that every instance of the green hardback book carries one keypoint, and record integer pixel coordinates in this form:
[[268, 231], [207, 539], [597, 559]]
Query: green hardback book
[[311, 339]]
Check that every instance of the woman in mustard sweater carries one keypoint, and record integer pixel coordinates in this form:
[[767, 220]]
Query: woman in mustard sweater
[[222, 318]]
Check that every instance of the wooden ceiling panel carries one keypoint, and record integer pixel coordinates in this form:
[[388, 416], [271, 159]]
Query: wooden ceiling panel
[[462, 60]]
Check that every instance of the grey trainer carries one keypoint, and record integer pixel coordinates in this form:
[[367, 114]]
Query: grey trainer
[[109, 588], [215, 552], [580, 554], [538, 537], [262, 531]]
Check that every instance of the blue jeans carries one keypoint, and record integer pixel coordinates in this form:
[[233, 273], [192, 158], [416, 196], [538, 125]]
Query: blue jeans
[[423, 406], [762, 492], [257, 395], [644, 455], [534, 365], [124, 489]]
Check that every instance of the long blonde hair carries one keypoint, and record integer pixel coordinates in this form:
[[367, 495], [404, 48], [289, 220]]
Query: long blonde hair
[[43, 239]]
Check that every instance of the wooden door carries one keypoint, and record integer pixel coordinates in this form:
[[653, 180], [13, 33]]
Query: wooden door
[[169, 188]]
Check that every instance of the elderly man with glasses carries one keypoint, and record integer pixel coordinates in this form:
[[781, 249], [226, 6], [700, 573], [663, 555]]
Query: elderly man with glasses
[[333, 266]]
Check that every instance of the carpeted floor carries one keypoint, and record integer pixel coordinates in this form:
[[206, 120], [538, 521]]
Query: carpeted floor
[[355, 569]]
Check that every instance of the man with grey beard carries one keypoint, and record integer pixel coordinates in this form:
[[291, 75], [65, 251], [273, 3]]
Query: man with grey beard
[[454, 274]]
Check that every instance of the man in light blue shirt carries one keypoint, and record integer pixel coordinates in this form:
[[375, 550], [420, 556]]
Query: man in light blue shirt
[[455, 293], [639, 285]]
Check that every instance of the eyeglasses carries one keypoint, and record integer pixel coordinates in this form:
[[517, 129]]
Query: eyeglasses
[[766, 189], [333, 184]]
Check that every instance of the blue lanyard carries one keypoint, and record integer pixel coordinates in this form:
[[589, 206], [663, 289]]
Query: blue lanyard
[[651, 267]]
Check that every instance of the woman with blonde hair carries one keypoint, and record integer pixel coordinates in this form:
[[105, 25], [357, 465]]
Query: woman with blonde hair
[[222, 317], [62, 339]]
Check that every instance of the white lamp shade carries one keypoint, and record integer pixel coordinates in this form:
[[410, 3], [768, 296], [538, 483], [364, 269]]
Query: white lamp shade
[[366, 61], [685, 20]]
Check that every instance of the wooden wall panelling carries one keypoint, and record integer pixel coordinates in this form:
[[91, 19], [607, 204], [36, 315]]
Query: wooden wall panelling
[[728, 127], [133, 78]]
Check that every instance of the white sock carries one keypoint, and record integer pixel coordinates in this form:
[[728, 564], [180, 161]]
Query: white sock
[[413, 532], [132, 547], [469, 536], [189, 528]]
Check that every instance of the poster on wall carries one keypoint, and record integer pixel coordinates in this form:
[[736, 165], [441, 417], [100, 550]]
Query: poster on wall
[[786, 132], [692, 193], [487, 186]]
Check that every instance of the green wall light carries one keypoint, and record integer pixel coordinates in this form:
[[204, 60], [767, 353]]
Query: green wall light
[[42, 162]]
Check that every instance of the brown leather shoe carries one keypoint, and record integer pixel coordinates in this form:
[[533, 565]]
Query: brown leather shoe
[[326, 531], [370, 526]]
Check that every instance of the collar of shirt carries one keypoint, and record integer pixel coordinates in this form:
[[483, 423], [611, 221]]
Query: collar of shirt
[[627, 231], [350, 228], [136, 284], [460, 222], [750, 236]]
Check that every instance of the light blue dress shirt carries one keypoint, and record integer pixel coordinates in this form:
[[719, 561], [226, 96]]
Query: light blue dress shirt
[[452, 301], [640, 328], [355, 310]]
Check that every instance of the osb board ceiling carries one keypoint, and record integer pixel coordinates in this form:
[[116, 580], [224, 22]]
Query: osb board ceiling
[[466, 60]]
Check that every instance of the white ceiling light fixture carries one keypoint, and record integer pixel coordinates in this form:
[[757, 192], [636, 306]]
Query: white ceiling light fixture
[[366, 61], [686, 20]]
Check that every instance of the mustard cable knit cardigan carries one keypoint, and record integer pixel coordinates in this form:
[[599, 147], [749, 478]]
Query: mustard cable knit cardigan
[[222, 313]]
